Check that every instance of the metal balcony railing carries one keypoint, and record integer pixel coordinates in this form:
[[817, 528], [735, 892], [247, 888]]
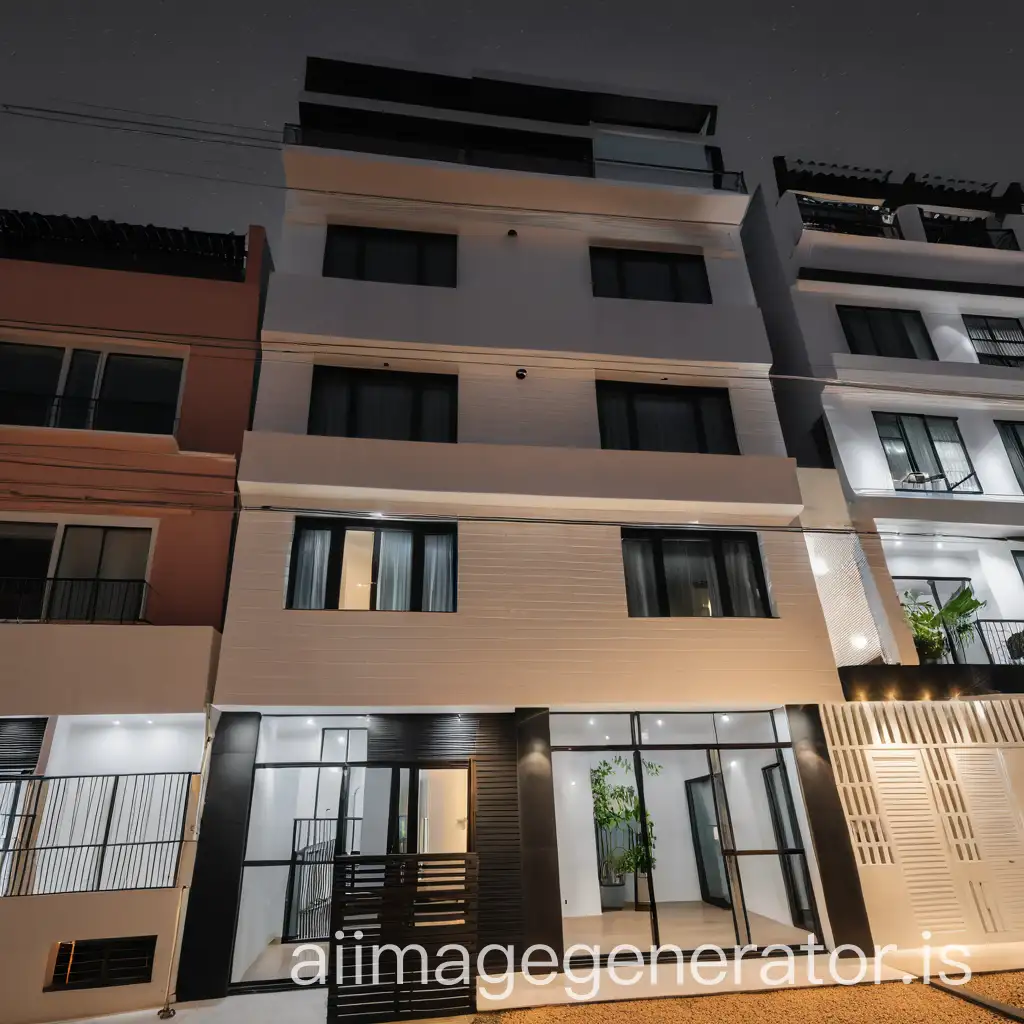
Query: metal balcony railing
[[1003, 640], [24, 599], [1000, 353], [91, 833], [20, 408]]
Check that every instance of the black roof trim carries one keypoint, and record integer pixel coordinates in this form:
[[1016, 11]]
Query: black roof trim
[[928, 682], [107, 244], [918, 283], [506, 99], [865, 182]]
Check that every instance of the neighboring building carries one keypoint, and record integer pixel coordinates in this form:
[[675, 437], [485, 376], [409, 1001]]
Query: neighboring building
[[127, 357], [516, 508], [903, 340]]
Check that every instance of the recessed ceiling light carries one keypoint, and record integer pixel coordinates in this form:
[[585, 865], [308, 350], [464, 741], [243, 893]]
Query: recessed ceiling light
[[725, 718], [858, 642], [607, 738], [591, 722], [732, 764], [116, 722], [938, 544], [309, 721], [149, 721], [659, 721], [341, 739], [573, 783]]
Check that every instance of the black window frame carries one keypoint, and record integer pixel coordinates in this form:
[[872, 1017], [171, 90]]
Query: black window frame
[[657, 537], [420, 239], [844, 312], [912, 457], [631, 389], [338, 527], [91, 409], [980, 322], [419, 383], [101, 950], [658, 256], [1010, 433]]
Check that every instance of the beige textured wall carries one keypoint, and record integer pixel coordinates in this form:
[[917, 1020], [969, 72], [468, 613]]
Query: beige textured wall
[[541, 620], [93, 669]]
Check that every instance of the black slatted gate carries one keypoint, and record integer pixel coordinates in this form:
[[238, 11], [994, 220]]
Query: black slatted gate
[[405, 900]]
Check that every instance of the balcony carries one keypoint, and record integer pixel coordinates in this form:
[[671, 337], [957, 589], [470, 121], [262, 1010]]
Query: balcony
[[524, 477], [72, 600], [972, 232], [92, 833], [34, 410], [847, 218]]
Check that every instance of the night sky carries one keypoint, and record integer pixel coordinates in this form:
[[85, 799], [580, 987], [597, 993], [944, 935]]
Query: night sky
[[927, 86]]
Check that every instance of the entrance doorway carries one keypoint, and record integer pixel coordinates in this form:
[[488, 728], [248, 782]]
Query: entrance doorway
[[707, 843]]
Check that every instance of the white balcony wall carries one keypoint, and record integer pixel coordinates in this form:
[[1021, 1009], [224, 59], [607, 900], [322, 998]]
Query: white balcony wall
[[862, 458], [553, 406], [541, 621]]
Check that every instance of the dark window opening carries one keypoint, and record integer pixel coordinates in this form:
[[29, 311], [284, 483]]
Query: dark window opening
[[101, 390], [649, 417], [686, 573], [926, 453], [101, 963], [649, 274], [395, 257], [356, 566], [383, 404], [899, 333], [21, 741], [973, 231], [998, 340]]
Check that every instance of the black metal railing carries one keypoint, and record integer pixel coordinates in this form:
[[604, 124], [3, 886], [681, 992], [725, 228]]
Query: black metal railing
[[20, 408], [969, 232], [1003, 640], [848, 218], [91, 833], [26, 599], [694, 177], [939, 482]]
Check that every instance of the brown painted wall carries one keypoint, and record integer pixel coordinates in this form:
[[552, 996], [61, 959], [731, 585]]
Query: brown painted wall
[[217, 320], [190, 497]]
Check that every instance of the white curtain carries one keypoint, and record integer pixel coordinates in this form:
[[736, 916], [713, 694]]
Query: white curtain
[[742, 579], [312, 556], [439, 572], [641, 581], [394, 573]]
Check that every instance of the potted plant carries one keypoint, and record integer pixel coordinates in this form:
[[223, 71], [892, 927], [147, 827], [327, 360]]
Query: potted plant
[[936, 629], [1015, 646], [617, 825]]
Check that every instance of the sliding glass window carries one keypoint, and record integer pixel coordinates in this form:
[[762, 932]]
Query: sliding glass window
[[998, 340], [354, 565], [688, 573], [926, 453], [1013, 440]]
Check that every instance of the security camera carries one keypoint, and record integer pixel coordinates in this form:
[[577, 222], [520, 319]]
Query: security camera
[[520, 374]]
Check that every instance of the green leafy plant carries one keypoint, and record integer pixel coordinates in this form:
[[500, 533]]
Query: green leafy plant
[[617, 812], [934, 629]]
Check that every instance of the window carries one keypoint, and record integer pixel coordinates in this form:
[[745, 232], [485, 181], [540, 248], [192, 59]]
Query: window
[[648, 274], [21, 741], [378, 403], [25, 550], [398, 257], [1013, 439], [353, 565], [688, 573], [101, 575], [100, 963], [88, 389], [926, 453], [886, 332], [649, 417], [998, 340]]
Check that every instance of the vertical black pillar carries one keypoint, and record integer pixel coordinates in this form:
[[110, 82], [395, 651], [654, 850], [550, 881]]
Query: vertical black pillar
[[204, 969], [837, 865], [542, 898]]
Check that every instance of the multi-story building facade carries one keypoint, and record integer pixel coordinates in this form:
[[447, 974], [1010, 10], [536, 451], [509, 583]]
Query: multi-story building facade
[[127, 357], [517, 525], [905, 344]]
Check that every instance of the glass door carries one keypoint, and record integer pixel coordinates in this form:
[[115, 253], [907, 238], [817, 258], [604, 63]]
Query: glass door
[[707, 844], [787, 836]]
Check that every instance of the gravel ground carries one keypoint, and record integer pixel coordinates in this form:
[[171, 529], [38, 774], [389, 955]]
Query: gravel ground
[[894, 1003], [1003, 986]]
